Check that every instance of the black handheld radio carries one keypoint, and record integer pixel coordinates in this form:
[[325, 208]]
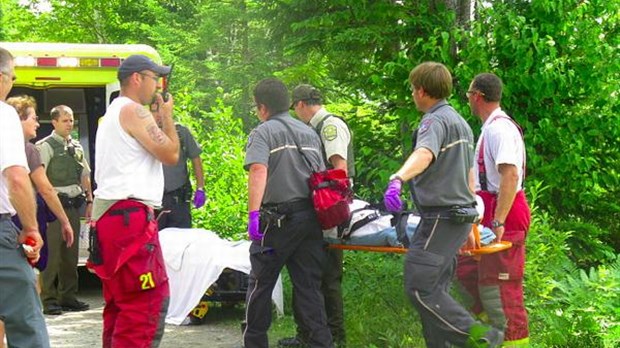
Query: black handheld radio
[[164, 92]]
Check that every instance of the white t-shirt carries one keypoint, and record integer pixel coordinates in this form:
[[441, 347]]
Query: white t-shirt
[[12, 151], [125, 169], [503, 144]]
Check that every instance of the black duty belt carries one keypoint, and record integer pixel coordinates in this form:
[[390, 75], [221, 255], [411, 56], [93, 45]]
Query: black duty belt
[[5, 216], [290, 206], [457, 213], [442, 208]]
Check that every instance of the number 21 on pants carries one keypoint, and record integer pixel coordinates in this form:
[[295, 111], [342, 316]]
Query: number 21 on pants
[[147, 281]]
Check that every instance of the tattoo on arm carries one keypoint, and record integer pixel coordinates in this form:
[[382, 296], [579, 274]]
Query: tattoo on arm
[[155, 133], [142, 112]]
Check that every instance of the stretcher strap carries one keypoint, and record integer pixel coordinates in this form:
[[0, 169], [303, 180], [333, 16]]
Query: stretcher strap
[[380, 249]]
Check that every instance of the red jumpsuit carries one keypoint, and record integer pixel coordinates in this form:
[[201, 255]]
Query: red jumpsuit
[[495, 283], [135, 283]]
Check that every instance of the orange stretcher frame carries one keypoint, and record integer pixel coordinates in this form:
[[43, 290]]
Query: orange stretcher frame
[[476, 251]]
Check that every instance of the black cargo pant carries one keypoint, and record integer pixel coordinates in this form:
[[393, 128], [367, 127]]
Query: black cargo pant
[[331, 288], [296, 243], [429, 267], [179, 215]]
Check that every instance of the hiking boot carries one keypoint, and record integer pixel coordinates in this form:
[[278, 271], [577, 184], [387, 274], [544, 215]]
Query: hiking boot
[[52, 309], [291, 342], [75, 306]]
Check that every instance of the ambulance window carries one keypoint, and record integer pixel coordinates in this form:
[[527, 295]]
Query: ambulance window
[[72, 97]]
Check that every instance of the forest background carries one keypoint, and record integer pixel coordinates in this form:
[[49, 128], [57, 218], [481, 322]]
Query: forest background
[[561, 68]]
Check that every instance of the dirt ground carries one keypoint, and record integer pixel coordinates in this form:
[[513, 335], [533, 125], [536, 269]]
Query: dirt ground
[[83, 329]]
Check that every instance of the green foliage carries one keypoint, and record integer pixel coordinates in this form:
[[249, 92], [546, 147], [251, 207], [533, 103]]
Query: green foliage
[[377, 312], [559, 62], [568, 306], [223, 141]]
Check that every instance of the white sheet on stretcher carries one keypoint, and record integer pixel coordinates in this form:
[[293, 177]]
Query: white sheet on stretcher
[[194, 260]]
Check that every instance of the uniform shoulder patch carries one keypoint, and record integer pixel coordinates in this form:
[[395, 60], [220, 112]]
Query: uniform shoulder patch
[[424, 126], [329, 132]]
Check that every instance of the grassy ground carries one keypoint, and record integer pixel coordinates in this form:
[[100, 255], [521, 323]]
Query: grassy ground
[[377, 312]]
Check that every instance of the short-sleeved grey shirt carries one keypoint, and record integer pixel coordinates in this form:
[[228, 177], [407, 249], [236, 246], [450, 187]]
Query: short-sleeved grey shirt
[[273, 145], [177, 175], [448, 136]]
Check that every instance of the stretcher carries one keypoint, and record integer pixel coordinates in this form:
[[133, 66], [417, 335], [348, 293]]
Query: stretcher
[[476, 251]]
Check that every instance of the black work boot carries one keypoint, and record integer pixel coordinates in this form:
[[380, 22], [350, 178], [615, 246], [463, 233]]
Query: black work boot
[[291, 342]]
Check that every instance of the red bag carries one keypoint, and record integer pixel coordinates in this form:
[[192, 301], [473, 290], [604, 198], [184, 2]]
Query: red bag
[[331, 196]]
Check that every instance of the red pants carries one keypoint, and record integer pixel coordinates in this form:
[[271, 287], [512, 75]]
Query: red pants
[[135, 283], [495, 283]]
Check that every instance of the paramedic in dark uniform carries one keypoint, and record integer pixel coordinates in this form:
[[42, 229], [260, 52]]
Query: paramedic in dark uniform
[[282, 223], [495, 283], [20, 308], [68, 171], [126, 255], [441, 172], [177, 186], [338, 153]]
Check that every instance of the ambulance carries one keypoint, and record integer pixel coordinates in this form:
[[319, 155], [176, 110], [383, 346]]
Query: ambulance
[[81, 76]]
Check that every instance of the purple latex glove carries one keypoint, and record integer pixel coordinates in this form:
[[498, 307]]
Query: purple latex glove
[[253, 226], [199, 198], [391, 197]]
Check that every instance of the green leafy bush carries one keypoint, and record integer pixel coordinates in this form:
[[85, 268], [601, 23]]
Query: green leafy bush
[[568, 306], [223, 141]]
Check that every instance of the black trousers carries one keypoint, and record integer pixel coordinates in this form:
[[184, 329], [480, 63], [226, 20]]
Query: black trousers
[[297, 244], [180, 214], [429, 267]]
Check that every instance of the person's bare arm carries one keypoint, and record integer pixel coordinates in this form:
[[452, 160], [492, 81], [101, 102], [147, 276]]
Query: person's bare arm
[[162, 143], [509, 179], [338, 162], [417, 162], [257, 182], [22, 199], [198, 172], [50, 196]]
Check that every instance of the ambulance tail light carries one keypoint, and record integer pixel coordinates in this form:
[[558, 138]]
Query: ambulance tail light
[[68, 62], [110, 62], [89, 62], [47, 61], [25, 61]]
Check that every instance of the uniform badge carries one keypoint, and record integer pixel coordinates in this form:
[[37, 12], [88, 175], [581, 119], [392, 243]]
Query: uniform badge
[[424, 126], [330, 132], [250, 139]]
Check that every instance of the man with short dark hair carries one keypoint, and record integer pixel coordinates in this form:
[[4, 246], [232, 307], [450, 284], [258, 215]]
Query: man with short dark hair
[[440, 169], [495, 283], [67, 169], [282, 223], [20, 309], [177, 186], [126, 253], [337, 143]]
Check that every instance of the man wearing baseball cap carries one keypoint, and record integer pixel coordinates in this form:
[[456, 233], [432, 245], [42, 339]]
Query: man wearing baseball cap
[[132, 143]]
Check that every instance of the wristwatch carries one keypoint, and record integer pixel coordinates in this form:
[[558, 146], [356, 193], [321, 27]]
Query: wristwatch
[[397, 177], [495, 224]]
